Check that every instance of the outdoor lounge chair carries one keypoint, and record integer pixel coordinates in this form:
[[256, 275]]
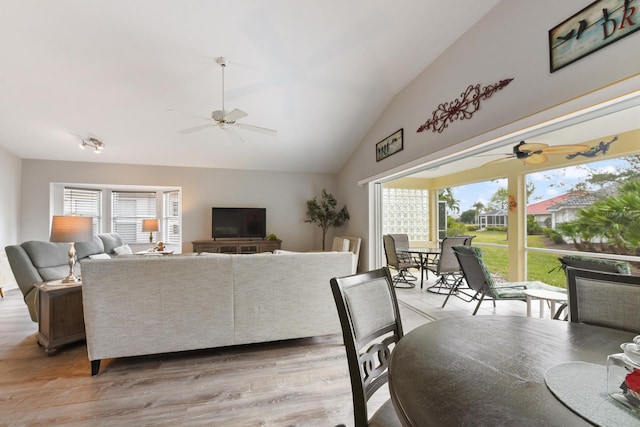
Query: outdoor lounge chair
[[479, 279]]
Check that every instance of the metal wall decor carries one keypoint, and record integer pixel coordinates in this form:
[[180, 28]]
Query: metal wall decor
[[463, 108], [390, 145], [594, 27], [600, 149]]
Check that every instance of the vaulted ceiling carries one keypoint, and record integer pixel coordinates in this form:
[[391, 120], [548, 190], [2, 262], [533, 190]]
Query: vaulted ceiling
[[135, 73]]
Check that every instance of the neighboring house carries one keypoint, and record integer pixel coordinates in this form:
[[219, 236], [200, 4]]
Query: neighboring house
[[493, 218], [540, 210], [567, 210]]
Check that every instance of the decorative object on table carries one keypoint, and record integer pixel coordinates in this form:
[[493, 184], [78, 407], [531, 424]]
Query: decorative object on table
[[93, 142], [71, 229], [463, 108], [390, 145], [160, 246], [150, 225], [594, 27], [600, 149], [324, 213], [623, 374], [271, 237], [535, 153]]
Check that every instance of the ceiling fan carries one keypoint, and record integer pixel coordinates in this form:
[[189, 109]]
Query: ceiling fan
[[535, 153], [227, 120]]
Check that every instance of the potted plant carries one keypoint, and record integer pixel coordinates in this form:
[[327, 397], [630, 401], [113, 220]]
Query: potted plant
[[325, 214]]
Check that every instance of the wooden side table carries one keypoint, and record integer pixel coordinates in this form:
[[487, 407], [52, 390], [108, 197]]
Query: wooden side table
[[61, 319]]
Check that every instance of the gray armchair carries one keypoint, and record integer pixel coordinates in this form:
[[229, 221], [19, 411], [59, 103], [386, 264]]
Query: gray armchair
[[39, 261]]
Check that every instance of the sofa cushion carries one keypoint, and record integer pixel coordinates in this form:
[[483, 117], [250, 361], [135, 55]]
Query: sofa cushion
[[84, 249], [99, 256], [123, 250], [47, 254], [110, 241]]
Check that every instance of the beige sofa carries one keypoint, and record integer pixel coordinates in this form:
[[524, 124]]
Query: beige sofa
[[145, 305]]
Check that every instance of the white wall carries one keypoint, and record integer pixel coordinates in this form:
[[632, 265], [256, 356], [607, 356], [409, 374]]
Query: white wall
[[10, 176], [284, 195], [509, 42]]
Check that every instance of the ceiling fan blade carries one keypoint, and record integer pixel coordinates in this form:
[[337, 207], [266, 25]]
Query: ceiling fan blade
[[535, 159], [500, 160], [235, 137], [566, 149], [234, 115], [257, 129], [197, 128], [532, 146]]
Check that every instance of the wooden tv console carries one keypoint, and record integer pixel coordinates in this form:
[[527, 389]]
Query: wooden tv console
[[236, 246]]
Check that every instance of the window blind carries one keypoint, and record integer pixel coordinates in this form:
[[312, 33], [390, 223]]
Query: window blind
[[129, 208], [84, 202], [171, 220]]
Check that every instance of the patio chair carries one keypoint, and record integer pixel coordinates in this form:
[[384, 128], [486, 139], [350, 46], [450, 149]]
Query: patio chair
[[371, 327], [399, 261], [478, 278], [604, 299], [447, 267]]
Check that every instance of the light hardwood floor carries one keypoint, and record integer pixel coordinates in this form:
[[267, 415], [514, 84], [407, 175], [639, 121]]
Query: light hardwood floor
[[293, 383]]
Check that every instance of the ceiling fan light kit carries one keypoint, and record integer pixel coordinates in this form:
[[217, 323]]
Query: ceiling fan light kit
[[227, 120], [94, 143]]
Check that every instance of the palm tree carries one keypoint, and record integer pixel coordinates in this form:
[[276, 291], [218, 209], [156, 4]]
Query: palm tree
[[479, 206]]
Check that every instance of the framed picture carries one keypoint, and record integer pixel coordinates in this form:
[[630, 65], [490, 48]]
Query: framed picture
[[594, 27], [390, 145]]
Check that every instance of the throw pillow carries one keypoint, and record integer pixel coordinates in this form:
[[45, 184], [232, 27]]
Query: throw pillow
[[123, 250], [99, 256]]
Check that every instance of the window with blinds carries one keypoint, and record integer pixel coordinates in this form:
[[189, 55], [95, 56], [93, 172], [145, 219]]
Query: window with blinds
[[129, 208], [84, 202], [171, 217]]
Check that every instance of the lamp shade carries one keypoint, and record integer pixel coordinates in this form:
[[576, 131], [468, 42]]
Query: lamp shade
[[150, 225], [71, 229]]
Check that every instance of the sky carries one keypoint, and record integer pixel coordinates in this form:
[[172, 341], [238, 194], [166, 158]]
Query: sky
[[548, 184]]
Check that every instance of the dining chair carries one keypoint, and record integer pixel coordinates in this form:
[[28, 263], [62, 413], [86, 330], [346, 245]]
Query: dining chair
[[587, 263], [447, 267], [371, 327], [399, 261], [604, 299], [478, 278]]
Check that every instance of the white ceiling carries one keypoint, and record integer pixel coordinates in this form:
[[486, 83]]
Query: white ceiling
[[320, 72]]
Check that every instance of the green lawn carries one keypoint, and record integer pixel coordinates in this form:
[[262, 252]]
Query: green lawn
[[539, 265]]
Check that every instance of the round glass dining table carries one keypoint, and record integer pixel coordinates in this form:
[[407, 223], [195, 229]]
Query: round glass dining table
[[489, 370]]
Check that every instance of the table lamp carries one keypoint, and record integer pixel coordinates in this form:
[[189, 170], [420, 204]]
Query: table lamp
[[150, 225], [71, 229]]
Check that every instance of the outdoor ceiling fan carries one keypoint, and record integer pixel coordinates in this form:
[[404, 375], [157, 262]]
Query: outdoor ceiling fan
[[227, 120], [535, 153]]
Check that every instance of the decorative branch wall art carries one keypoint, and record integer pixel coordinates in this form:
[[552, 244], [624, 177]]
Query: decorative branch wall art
[[463, 108]]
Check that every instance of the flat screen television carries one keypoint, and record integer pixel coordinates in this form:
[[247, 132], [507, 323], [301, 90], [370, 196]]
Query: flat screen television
[[250, 223]]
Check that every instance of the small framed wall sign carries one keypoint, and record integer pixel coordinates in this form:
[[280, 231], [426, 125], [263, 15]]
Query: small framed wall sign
[[390, 145], [594, 27]]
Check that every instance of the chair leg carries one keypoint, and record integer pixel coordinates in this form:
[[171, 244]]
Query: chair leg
[[1, 292], [478, 306], [448, 295]]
